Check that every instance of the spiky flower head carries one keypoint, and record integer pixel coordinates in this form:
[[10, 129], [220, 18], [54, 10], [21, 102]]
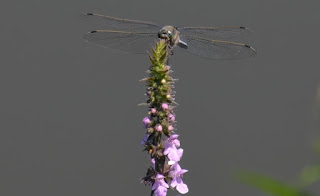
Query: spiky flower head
[[160, 140]]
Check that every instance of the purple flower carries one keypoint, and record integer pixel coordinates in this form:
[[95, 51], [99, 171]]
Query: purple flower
[[165, 106], [175, 155], [171, 150], [160, 186], [161, 191], [172, 118], [158, 127], [173, 140], [176, 174], [170, 128], [146, 121]]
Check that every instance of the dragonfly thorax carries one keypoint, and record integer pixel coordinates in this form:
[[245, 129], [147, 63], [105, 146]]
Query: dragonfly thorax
[[169, 33]]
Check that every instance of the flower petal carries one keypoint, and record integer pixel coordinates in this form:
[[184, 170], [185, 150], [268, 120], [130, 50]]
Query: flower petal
[[172, 174], [176, 143], [174, 156], [174, 136], [167, 149], [174, 183], [180, 152], [161, 191], [155, 185], [182, 171], [182, 188], [177, 167], [164, 184]]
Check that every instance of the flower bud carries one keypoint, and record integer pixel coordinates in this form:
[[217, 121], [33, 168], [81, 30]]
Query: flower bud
[[146, 121], [165, 106], [153, 110], [158, 127], [172, 118]]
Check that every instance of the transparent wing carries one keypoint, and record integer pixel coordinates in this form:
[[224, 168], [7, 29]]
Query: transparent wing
[[223, 33], [119, 23], [130, 42], [217, 49]]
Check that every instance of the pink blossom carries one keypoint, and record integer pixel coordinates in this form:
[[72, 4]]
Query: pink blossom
[[171, 150], [176, 174], [160, 187]]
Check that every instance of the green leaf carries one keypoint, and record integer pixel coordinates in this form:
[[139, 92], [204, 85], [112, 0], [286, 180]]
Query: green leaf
[[151, 58], [268, 184], [163, 58], [163, 50], [154, 52], [310, 175]]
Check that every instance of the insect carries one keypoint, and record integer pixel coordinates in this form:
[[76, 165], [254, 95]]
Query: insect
[[135, 36]]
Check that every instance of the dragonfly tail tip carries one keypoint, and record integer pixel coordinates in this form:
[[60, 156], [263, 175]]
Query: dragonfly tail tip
[[250, 47]]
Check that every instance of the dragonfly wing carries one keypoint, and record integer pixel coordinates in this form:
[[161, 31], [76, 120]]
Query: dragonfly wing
[[223, 33], [130, 42], [119, 23], [217, 49]]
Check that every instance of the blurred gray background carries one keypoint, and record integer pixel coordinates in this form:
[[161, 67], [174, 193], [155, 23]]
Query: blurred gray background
[[70, 124]]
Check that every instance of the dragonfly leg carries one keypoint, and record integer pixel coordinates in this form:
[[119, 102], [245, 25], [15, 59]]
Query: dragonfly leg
[[170, 53]]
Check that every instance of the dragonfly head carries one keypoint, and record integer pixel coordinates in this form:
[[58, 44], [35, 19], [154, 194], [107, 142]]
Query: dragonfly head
[[165, 33], [169, 33]]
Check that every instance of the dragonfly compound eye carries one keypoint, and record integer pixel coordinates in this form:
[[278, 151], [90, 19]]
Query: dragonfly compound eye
[[163, 35]]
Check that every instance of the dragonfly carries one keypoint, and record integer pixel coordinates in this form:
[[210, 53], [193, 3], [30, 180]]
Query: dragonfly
[[134, 36]]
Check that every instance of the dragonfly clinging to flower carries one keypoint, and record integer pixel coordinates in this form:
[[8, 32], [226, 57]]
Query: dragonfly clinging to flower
[[135, 36]]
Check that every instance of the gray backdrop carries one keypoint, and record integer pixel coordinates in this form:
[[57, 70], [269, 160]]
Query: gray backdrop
[[70, 124]]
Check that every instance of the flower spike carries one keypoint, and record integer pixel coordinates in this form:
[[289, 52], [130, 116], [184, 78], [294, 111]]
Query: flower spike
[[160, 141]]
